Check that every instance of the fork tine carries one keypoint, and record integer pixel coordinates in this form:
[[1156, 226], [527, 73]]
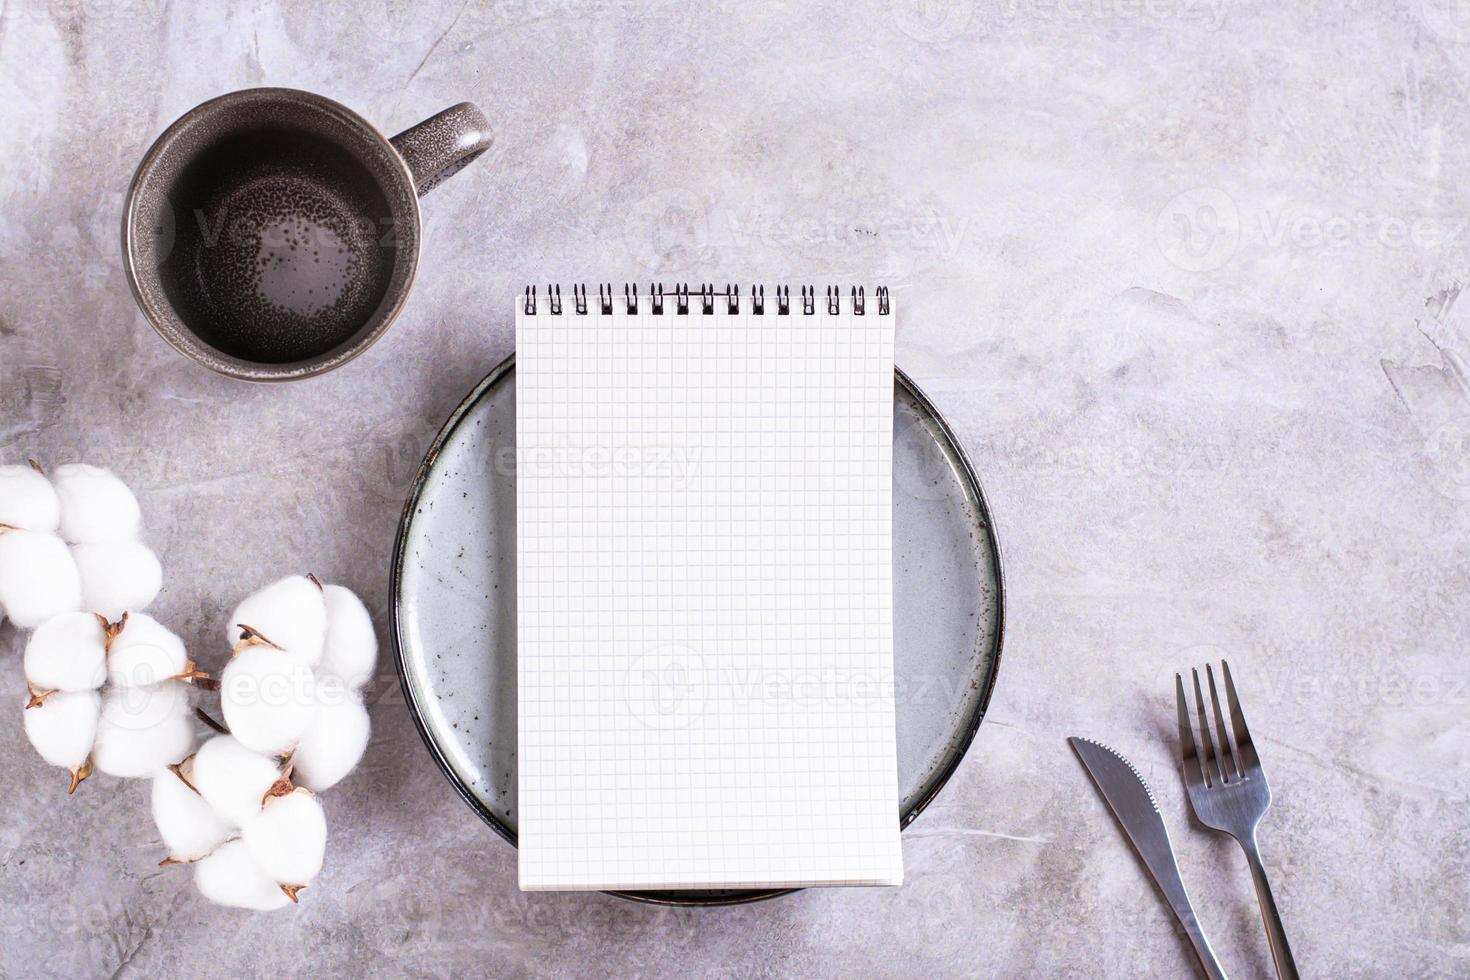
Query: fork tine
[[1211, 766], [1245, 748], [1190, 757], [1229, 763]]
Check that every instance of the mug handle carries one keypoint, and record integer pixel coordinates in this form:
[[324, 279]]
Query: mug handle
[[443, 145]]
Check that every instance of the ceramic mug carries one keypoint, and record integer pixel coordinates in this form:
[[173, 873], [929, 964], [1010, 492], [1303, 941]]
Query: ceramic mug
[[273, 234]]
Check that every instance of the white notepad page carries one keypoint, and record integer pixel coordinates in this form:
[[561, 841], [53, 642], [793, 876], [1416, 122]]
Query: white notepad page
[[704, 520]]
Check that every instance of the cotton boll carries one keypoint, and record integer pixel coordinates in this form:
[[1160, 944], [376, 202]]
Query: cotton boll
[[95, 505], [230, 877], [145, 652], [291, 614], [117, 576], [190, 827], [27, 499], [67, 653], [268, 697], [38, 578], [143, 729], [289, 837], [232, 779], [352, 645], [333, 745], [63, 730]]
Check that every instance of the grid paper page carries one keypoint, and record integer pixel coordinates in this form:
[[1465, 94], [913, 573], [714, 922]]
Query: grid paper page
[[704, 521]]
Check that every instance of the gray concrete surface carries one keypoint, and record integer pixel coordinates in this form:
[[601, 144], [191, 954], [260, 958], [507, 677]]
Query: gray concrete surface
[[1181, 273]]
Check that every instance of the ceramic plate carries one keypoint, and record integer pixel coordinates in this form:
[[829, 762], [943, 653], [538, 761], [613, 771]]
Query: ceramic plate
[[454, 592]]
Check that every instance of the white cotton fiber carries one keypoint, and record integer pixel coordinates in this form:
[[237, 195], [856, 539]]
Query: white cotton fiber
[[268, 696], [289, 837], [189, 826], [117, 577], [352, 646], [145, 652], [230, 876], [38, 578], [64, 727], [144, 729], [67, 653], [232, 779], [291, 614], [95, 505], [27, 499], [334, 743]]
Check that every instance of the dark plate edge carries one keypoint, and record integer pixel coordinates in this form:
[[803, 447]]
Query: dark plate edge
[[938, 782]]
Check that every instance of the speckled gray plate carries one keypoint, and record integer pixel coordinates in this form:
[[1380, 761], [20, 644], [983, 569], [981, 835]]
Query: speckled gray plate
[[454, 599]]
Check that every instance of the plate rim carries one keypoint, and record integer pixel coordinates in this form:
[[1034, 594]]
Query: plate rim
[[938, 781]]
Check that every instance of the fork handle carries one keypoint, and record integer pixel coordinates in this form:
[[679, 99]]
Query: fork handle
[[1275, 933]]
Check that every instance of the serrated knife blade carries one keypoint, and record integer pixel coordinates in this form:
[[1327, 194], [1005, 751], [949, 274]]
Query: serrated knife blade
[[1131, 801]]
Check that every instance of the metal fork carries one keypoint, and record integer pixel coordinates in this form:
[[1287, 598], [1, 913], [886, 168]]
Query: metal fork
[[1229, 793]]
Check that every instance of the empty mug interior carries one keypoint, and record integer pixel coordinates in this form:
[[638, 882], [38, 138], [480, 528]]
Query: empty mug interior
[[276, 230]]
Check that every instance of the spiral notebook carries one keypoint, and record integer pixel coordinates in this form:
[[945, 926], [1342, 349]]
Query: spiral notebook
[[704, 513]]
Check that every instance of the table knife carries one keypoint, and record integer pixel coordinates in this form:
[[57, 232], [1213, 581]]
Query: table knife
[[1133, 804]]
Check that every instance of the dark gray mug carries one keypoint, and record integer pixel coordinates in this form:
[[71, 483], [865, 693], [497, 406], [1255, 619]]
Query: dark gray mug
[[273, 234]]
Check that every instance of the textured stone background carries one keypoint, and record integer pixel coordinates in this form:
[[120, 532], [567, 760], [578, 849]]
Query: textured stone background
[[1182, 274]]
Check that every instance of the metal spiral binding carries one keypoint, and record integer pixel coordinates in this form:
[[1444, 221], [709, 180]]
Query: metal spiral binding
[[857, 296]]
